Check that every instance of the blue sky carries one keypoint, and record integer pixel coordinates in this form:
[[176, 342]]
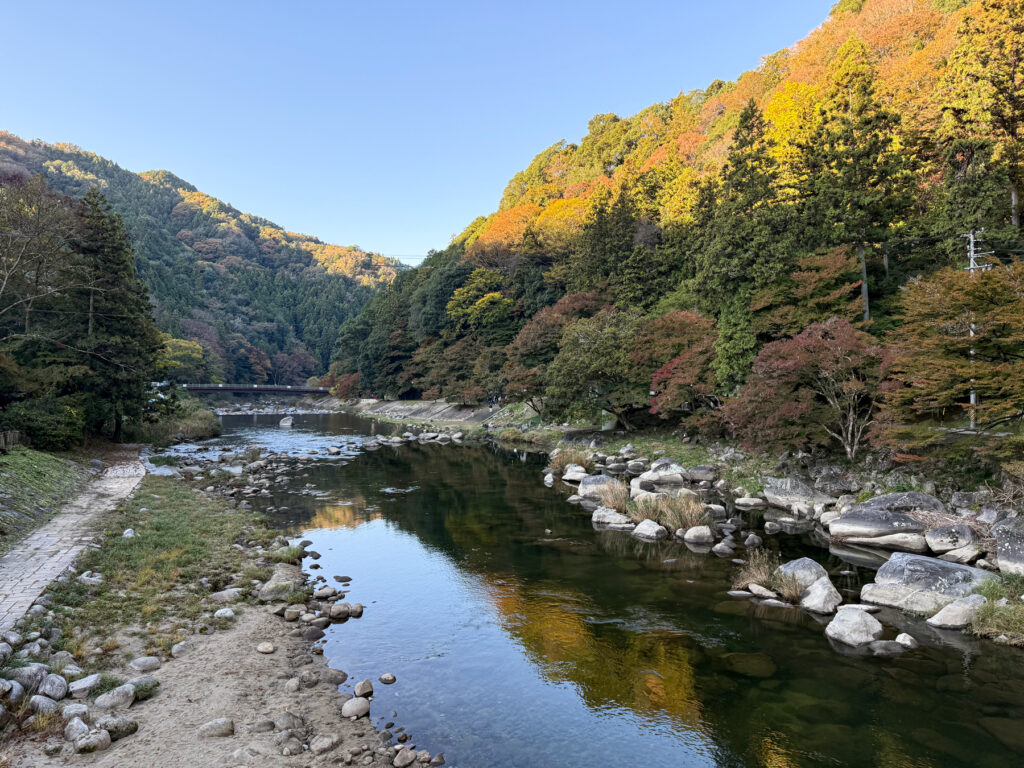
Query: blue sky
[[386, 124]]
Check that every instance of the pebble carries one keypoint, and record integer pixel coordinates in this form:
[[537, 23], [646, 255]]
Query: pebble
[[224, 613], [387, 678], [145, 664], [363, 688], [265, 647], [221, 726], [75, 728], [93, 741]]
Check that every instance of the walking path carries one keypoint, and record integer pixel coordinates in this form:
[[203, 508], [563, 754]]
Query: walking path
[[29, 566]]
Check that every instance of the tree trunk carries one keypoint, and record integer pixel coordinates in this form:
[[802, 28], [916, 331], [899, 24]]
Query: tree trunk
[[118, 420], [1014, 204], [864, 283]]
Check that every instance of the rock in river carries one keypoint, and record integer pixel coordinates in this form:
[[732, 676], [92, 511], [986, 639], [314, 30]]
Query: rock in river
[[854, 628], [821, 597], [285, 579], [959, 613], [592, 485], [355, 707], [605, 518], [699, 534], [648, 530], [921, 584], [804, 570]]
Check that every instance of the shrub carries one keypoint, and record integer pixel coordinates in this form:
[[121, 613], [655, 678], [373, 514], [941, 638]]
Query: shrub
[[648, 508], [48, 423], [615, 496], [570, 455]]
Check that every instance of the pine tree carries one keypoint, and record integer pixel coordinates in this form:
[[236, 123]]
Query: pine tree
[[116, 341], [855, 181]]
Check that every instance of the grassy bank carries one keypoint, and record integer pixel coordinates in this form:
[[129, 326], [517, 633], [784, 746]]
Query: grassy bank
[[191, 420], [1002, 617], [33, 485], [151, 589]]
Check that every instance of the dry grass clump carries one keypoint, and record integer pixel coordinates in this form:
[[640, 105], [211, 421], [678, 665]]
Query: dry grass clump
[[567, 455], [683, 512], [787, 586], [673, 513], [759, 569], [615, 496]]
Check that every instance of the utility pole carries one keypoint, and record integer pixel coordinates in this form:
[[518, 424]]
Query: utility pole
[[972, 267]]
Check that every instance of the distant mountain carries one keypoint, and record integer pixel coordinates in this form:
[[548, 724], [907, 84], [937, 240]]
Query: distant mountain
[[240, 285]]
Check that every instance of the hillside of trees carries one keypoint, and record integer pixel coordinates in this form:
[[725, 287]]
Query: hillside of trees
[[245, 300], [780, 258]]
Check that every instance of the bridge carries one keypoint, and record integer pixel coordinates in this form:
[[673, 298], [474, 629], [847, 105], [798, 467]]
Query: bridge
[[258, 389]]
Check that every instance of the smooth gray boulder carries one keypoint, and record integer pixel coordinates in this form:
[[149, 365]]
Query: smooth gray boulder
[[75, 728], [94, 741], [606, 518], [699, 534], [592, 486], [921, 584], [804, 570], [959, 613], [648, 530], [949, 537], [54, 686], [821, 597], [219, 727], [787, 492], [966, 554], [285, 579], [355, 707], [1009, 536], [118, 726], [30, 676], [79, 689], [885, 522], [119, 698], [574, 473], [854, 628], [42, 705]]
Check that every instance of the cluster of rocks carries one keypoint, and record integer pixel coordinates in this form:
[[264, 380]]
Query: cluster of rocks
[[48, 684], [270, 407], [441, 436]]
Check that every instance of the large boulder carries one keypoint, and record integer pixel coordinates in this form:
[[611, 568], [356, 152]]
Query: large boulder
[[821, 597], [787, 493], [285, 579], [699, 534], [921, 584], [804, 570], [607, 519], [949, 537], [592, 486], [885, 522], [574, 473], [959, 613], [666, 474], [1010, 545], [854, 628], [648, 530]]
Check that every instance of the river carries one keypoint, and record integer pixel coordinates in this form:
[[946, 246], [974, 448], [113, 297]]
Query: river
[[522, 637]]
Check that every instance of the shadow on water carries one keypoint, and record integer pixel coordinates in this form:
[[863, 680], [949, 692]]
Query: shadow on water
[[521, 637]]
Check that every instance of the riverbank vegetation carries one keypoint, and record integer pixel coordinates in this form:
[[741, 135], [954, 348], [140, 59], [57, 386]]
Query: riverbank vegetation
[[779, 259]]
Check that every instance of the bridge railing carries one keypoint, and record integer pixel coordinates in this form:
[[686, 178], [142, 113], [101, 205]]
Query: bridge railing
[[295, 388]]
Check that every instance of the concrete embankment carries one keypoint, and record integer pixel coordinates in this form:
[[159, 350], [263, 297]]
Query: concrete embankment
[[421, 410]]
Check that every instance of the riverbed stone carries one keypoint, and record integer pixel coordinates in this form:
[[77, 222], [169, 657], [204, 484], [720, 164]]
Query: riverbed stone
[[723, 549], [921, 584], [699, 534], [54, 686], [606, 518], [959, 613], [404, 758], [355, 707], [821, 597], [946, 538], [574, 473], [42, 705], [118, 726], [804, 570], [229, 595], [145, 664], [265, 647], [648, 530], [224, 613], [387, 678], [1009, 535], [854, 628], [119, 698], [885, 522], [284, 580], [363, 688], [95, 740], [217, 728], [788, 492], [750, 502], [81, 688], [907, 641], [30, 676], [966, 554], [75, 727]]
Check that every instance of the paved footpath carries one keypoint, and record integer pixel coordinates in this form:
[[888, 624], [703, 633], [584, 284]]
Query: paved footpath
[[29, 566]]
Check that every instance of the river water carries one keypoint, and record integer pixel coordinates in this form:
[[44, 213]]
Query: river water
[[521, 637]]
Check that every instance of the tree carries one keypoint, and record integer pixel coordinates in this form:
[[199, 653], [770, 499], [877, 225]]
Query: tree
[[961, 331], [480, 306], [984, 84], [680, 345], [736, 343], [180, 360], [855, 179], [823, 384], [117, 341], [594, 369]]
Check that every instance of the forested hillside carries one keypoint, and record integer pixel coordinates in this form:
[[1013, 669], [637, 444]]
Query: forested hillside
[[263, 303], [780, 257]]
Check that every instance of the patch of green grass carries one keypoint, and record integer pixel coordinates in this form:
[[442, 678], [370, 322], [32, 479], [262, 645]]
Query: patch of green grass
[[33, 485], [291, 554], [992, 619], [181, 537], [146, 691], [162, 460], [106, 684]]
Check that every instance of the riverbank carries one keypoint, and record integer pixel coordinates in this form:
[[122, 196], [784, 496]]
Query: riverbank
[[170, 644]]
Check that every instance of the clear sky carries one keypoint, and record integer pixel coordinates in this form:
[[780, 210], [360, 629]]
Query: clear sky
[[390, 125]]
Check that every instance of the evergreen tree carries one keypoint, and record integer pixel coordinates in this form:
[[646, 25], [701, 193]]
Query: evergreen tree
[[855, 182], [116, 341]]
